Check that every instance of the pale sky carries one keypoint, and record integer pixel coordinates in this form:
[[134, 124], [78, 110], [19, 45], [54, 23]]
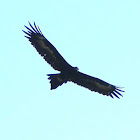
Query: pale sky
[[101, 38]]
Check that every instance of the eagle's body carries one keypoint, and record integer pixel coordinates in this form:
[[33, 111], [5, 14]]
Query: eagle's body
[[67, 72]]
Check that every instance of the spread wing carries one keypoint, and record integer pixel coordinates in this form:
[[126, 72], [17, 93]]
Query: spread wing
[[45, 48], [97, 85]]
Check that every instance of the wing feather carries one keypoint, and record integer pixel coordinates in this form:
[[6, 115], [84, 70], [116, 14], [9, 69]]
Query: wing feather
[[45, 48], [97, 85]]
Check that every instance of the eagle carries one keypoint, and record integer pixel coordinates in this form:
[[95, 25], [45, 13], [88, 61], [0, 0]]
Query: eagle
[[67, 73]]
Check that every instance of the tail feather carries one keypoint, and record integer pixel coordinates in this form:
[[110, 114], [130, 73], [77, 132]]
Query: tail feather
[[56, 80]]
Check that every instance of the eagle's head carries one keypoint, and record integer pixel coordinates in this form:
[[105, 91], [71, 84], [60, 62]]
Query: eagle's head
[[76, 68]]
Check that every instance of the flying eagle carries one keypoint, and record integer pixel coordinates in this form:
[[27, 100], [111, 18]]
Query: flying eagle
[[67, 72]]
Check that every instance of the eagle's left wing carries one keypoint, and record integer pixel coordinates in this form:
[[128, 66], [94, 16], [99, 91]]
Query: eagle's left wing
[[95, 84]]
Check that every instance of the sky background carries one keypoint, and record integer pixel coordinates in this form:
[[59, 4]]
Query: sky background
[[101, 38]]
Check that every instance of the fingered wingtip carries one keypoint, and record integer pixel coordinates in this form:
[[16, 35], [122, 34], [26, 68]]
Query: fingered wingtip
[[116, 93]]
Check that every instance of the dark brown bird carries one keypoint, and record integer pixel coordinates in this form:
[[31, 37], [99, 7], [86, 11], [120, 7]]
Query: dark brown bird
[[67, 72]]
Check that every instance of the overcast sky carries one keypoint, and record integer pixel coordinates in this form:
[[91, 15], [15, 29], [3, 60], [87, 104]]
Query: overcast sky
[[101, 38]]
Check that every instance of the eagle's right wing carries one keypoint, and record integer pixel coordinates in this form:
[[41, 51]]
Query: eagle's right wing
[[45, 48]]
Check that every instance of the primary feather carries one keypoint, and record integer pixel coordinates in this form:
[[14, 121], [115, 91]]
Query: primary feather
[[67, 72]]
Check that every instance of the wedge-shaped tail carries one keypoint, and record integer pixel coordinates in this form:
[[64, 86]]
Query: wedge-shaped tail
[[56, 80]]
